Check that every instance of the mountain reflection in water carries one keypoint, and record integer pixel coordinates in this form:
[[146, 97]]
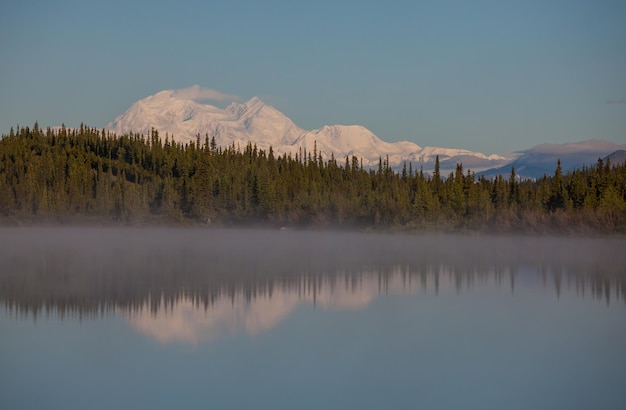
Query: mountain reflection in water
[[163, 317], [186, 320], [195, 285]]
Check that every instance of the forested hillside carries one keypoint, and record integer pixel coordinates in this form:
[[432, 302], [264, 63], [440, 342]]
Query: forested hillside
[[87, 175]]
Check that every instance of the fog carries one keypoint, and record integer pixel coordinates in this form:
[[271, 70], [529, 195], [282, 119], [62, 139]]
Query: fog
[[134, 270]]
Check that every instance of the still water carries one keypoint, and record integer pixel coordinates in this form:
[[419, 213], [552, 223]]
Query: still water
[[234, 319]]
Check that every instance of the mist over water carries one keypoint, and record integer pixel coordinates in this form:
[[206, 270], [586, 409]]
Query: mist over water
[[91, 269], [362, 319]]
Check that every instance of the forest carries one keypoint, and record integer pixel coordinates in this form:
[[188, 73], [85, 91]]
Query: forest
[[90, 176]]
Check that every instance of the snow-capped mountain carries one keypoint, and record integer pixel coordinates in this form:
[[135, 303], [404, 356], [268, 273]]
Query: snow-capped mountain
[[183, 119], [542, 159]]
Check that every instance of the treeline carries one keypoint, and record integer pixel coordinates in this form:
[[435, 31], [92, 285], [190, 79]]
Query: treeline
[[87, 175]]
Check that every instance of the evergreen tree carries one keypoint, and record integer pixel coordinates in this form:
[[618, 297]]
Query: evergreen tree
[[90, 175]]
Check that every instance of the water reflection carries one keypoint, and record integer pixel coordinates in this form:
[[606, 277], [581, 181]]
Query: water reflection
[[187, 320], [193, 285], [152, 318]]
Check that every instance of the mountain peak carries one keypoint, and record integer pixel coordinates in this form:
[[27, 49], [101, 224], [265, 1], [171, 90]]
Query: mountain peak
[[254, 101], [183, 114], [251, 107]]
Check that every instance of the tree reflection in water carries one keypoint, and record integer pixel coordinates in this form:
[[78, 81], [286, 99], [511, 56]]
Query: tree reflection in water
[[248, 280]]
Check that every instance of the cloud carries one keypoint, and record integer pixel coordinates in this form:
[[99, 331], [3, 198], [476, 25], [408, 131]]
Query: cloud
[[197, 93], [620, 101]]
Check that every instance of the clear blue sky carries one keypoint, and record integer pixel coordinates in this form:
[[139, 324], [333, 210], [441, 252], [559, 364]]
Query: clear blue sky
[[491, 76]]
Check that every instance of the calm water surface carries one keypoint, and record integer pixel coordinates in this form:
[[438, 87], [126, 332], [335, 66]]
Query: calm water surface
[[194, 318]]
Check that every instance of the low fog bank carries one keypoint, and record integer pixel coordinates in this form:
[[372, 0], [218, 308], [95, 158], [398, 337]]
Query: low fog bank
[[97, 269]]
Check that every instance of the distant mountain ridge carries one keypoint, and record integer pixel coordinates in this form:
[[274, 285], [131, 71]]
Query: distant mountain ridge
[[255, 122], [618, 156], [541, 159]]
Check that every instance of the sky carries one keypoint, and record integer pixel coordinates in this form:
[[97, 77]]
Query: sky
[[489, 76]]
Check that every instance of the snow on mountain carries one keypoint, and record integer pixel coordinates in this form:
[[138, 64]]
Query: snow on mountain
[[349, 140], [594, 147], [542, 159], [182, 119]]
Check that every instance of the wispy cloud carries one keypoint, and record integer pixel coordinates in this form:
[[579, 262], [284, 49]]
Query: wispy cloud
[[197, 93], [620, 101]]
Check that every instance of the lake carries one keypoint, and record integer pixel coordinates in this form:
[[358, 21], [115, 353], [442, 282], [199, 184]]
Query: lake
[[161, 318]]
